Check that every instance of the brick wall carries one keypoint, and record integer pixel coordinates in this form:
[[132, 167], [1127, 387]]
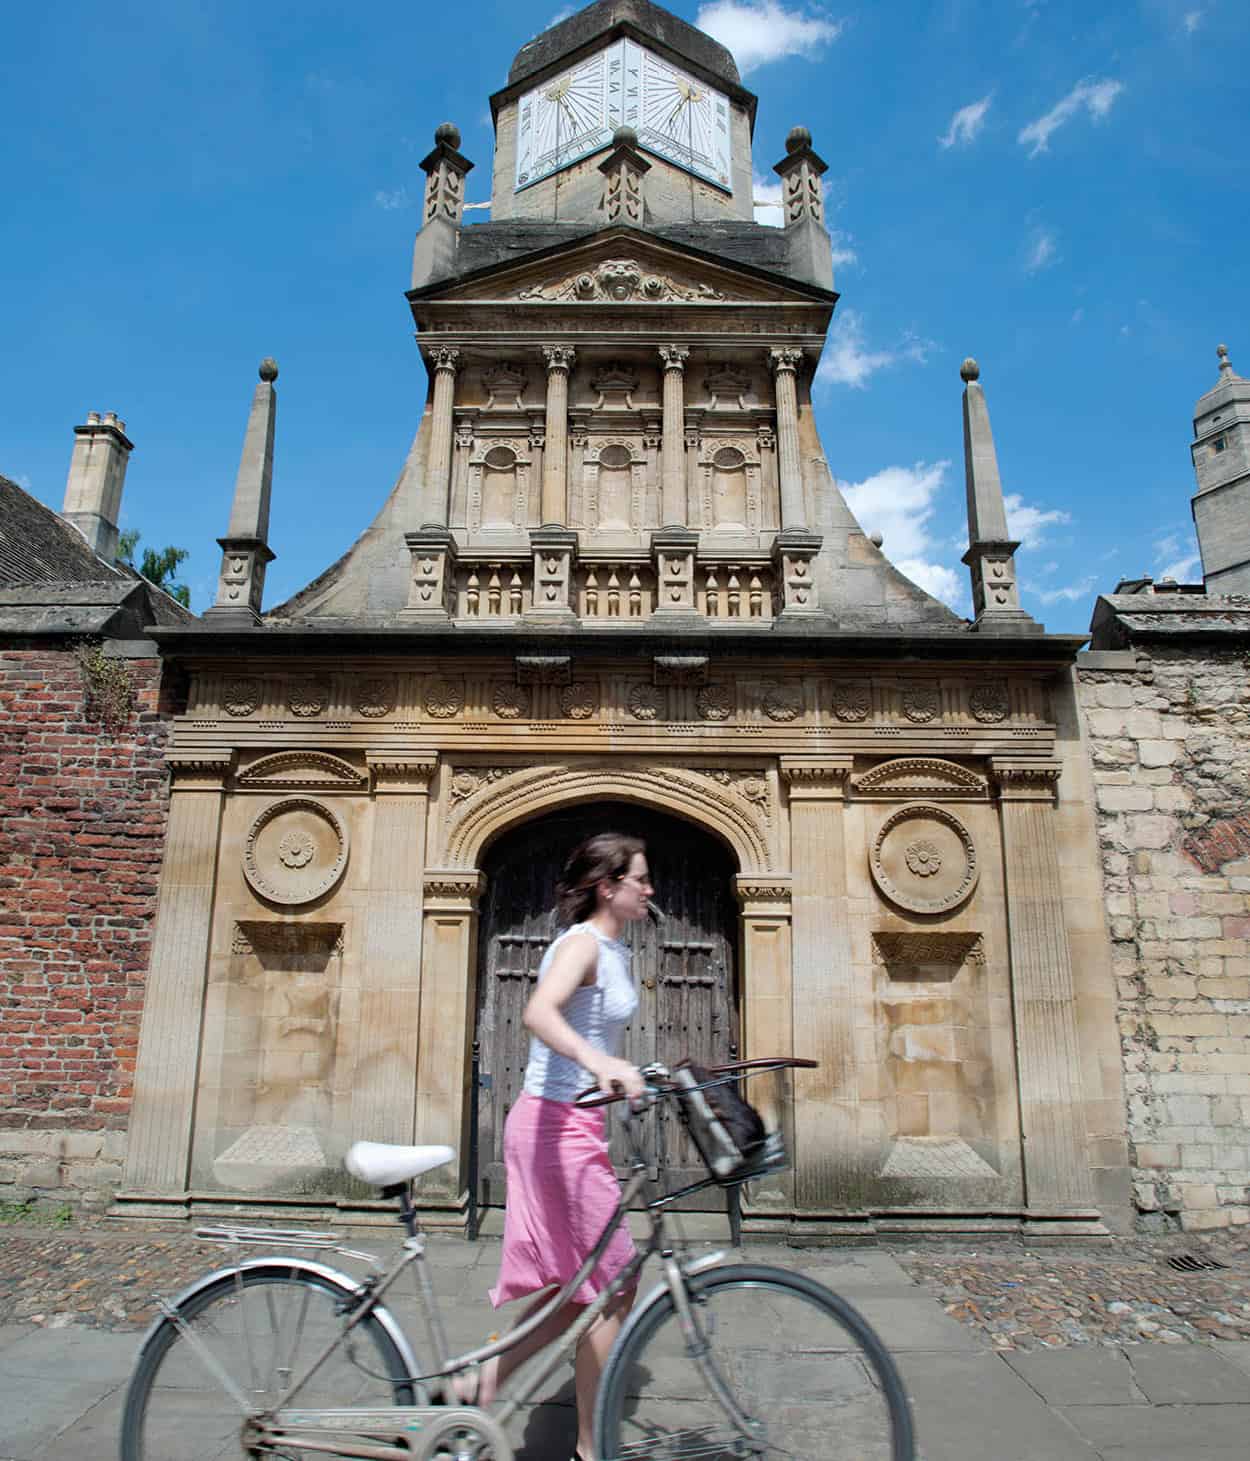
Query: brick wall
[[1169, 738], [82, 820]]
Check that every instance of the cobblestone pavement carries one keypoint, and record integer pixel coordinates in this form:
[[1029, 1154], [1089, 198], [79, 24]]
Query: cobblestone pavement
[[1124, 1292]]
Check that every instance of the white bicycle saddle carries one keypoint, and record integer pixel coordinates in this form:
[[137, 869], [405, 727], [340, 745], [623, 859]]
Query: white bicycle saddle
[[383, 1165]]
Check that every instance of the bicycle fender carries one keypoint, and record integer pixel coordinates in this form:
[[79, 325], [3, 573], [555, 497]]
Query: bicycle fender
[[291, 1265]]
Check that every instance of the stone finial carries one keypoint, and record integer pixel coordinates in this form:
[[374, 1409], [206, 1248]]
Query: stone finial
[[268, 369], [625, 137], [803, 202], [97, 475], [969, 371], [624, 169], [447, 134], [1226, 365], [798, 139]]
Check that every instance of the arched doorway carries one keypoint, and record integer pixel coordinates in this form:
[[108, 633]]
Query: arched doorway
[[685, 963]]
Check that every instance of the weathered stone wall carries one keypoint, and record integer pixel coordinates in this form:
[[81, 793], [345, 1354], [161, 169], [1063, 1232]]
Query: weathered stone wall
[[82, 822], [1169, 737]]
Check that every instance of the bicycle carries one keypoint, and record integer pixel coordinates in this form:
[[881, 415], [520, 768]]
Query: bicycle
[[286, 1357]]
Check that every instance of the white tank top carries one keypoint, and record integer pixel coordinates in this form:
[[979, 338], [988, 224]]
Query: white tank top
[[599, 1012]]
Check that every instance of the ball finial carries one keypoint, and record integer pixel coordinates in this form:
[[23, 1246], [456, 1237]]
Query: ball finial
[[799, 138], [1226, 365], [269, 370], [449, 133], [625, 137], [876, 539], [969, 371]]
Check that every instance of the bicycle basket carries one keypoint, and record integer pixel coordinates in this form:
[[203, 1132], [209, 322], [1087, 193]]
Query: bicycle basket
[[738, 1141]]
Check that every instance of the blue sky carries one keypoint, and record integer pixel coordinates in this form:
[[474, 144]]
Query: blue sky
[[1056, 188]]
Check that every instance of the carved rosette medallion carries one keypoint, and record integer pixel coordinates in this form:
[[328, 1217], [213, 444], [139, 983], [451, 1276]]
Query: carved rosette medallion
[[924, 859], [714, 702], [466, 781], [920, 703], [509, 701], [645, 701], [375, 698], [241, 696], [851, 702], [295, 851], [990, 703], [444, 698], [308, 697], [580, 700], [782, 702]]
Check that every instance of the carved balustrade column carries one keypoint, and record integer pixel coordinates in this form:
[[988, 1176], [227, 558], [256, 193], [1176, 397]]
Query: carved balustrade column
[[673, 451], [444, 360], [449, 962], [1052, 1116], [785, 364], [559, 360], [767, 1010], [384, 1081], [826, 1134], [158, 1148]]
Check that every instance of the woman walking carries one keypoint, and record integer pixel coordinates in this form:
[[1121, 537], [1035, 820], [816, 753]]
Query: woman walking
[[561, 1186]]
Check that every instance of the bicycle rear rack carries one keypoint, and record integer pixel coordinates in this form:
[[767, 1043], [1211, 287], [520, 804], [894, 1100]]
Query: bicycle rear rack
[[231, 1235]]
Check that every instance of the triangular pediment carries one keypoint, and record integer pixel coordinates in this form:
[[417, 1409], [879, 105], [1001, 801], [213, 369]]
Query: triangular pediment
[[623, 266], [920, 776], [302, 770]]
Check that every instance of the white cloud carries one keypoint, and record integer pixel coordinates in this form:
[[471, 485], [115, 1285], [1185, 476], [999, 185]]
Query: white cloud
[[1042, 250], [1028, 524], [847, 361], [966, 123], [1095, 97], [1069, 593], [936, 579], [562, 14], [759, 31], [767, 197], [1177, 557], [901, 504], [1192, 20], [389, 199]]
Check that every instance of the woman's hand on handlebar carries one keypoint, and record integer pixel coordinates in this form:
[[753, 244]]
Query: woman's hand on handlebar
[[618, 1076]]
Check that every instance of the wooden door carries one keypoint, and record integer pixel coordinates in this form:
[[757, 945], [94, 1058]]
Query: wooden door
[[683, 964]]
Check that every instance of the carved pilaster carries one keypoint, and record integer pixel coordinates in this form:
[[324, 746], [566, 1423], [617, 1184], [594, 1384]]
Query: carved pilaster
[[555, 557], [443, 362], [785, 363], [559, 360], [673, 552], [673, 489], [432, 587]]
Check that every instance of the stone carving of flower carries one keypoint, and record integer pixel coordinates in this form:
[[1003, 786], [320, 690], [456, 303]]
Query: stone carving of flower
[[924, 858], [920, 703], [444, 698], [755, 789], [989, 702], [240, 696], [851, 702], [781, 702], [375, 698], [579, 701], [714, 702], [308, 698], [296, 850], [511, 702], [644, 702]]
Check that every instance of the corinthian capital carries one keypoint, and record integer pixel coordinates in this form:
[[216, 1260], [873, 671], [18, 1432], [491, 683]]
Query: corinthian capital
[[444, 357], [785, 359], [559, 357], [674, 356]]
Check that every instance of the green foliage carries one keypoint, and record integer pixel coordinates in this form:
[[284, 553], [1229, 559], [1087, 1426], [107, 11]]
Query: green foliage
[[25, 1211], [157, 566], [108, 690]]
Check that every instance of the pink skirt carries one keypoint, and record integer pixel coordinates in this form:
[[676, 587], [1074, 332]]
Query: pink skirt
[[561, 1192]]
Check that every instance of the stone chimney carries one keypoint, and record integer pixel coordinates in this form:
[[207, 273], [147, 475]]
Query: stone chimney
[[1221, 457], [97, 474], [991, 555]]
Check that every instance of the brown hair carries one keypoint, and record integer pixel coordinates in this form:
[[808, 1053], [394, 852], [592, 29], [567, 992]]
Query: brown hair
[[605, 855]]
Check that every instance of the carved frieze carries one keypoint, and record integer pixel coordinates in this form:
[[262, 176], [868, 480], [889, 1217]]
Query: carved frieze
[[579, 700], [510, 701], [308, 696], [951, 950], [301, 771], [851, 701], [714, 702], [240, 696], [295, 851], [920, 776], [923, 859], [467, 781], [782, 702], [751, 786], [989, 702], [646, 701], [444, 698], [375, 697], [620, 280], [544, 669], [921, 703]]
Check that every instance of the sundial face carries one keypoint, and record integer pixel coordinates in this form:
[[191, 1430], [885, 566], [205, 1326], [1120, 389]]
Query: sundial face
[[676, 116]]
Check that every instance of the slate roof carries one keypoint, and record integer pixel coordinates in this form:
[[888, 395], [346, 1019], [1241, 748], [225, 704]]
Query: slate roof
[[38, 546]]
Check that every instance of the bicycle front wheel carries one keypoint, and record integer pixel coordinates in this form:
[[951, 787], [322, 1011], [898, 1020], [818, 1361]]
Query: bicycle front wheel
[[238, 1344], [804, 1369]]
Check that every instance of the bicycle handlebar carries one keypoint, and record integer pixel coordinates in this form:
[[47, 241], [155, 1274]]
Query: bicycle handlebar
[[593, 1096]]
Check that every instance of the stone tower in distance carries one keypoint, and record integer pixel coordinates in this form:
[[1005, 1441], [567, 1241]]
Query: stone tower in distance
[[1221, 505]]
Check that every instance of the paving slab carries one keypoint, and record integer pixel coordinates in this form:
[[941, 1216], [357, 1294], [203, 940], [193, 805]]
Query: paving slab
[[973, 1407], [74, 1352], [93, 1436], [1236, 1351], [1081, 1375], [36, 1411], [1163, 1432], [1190, 1374], [914, 1322]]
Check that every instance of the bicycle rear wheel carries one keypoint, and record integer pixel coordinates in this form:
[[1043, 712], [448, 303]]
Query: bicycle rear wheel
[[258, 1327], [804, 1367]]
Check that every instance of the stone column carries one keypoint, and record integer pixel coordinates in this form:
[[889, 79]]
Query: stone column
[[826, 1138], [673, 489], [384, 1082], [1056, 1167], [785, 364], [245, 551], [97, 475], [449, 964], [444, 360], [158, 1147], [767, 1014], [559, 360]]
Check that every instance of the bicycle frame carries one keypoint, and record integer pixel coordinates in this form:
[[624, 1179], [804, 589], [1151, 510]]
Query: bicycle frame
[[302, 1428]]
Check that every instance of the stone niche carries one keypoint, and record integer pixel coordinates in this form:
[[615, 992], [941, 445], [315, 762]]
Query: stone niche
[[277, 1035], [935, 1056]]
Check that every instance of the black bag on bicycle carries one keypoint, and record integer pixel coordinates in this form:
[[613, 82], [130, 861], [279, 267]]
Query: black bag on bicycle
[[728, 1131]]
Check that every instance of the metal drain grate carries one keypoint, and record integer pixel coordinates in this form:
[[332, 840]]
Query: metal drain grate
[[1190, 1263]]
